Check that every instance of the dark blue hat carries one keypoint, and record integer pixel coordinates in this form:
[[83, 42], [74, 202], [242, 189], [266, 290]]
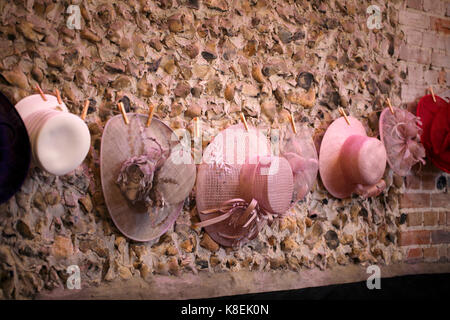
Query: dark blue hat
[[15, 150]]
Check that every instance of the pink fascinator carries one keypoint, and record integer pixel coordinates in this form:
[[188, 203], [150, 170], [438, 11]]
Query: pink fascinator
[[400, 134]]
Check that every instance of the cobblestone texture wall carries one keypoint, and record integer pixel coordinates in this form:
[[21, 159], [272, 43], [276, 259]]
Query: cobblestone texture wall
[[211, 59]]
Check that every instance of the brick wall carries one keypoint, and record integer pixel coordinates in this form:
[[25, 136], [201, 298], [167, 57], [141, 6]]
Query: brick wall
[[425, 202], [425, 51], [425, 207]]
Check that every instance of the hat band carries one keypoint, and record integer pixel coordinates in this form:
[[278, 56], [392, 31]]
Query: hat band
[[249, 219]]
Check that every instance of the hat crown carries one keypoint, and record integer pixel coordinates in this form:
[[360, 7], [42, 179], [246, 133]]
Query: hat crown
[[363, 159], [269, 181]]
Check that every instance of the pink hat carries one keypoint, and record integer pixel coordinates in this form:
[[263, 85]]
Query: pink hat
[[350, 161], [400, 134], [241, 186], [144, 182]]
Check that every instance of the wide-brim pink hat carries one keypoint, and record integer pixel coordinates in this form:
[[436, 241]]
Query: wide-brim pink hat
[[241, 185], [349, 160], [174, 180]]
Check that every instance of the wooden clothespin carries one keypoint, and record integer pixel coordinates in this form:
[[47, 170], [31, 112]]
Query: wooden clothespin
[[342, 112], [122, 110], [58, 96], [39, 90], [244, 121], [291, 118], [390, 105], [151, 112], [432, 93], [85, 109], [196, 127]]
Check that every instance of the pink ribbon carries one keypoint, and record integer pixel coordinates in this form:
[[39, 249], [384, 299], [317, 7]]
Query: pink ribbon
[[253, 216]]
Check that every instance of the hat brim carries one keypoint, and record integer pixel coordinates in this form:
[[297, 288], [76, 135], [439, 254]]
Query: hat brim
[[15, 150], [216, 166], [330, 170], [121, 142]]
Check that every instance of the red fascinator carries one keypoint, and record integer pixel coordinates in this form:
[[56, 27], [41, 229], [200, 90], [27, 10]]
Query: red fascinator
[[435, 118]]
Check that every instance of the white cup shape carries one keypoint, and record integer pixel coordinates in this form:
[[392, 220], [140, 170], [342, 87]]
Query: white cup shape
[[59, 140], [61, 143]]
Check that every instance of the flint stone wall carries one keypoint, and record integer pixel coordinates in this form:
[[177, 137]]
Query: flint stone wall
[[212, 59]]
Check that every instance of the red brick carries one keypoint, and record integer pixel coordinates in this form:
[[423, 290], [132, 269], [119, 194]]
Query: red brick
[[442, 218], [434, 6], [414, 19], [430, 218], [448, 218], [433, 40], [414, 4], [440, 25], [414, 254], [414, 219], [413, 182], [440, 236], [431, 254], [440, 60], [429, 167], [429, 181], [408, 238], [415, 200], [440, 200], [443, 254], [411, 93], [413, 36], [431, 76], [447, 44], [415, 74], [416, 54]]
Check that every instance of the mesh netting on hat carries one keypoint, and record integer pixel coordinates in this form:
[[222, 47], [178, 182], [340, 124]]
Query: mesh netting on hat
[[273, 190], [301, 153], [218, 184], [400, 134]]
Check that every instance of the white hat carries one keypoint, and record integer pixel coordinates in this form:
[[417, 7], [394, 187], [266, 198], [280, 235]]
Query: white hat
[[59, 140]]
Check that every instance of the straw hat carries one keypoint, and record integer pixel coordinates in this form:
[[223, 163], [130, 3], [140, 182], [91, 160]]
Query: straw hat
[[400, 134], [435, 137], [15, 150], [146, 175], [59, 139], [350, 161], [241, 186]]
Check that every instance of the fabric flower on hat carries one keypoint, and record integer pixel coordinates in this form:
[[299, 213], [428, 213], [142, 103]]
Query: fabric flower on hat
[[136, 175]]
